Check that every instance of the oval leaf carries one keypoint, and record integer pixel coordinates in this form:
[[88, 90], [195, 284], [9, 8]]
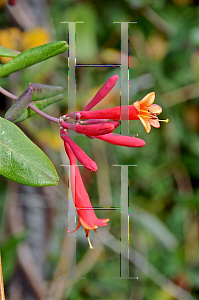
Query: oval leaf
[[19, 106], [5, 52], [32, 56], [40, 105], [43, 91], [21, 160]]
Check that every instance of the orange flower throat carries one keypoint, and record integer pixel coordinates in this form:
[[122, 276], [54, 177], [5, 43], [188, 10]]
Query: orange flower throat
[[148, 112]]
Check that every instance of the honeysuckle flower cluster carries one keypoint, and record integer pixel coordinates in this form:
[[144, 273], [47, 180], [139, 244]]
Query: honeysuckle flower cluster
[[100, 124]]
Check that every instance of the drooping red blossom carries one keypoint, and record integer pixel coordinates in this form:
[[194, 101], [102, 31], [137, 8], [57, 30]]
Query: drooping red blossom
[[122, 140], [87, 217], [86, 161], [93, 130], [105, 89]]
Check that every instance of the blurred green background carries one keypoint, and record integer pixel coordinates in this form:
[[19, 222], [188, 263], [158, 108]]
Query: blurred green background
[[163, 187]]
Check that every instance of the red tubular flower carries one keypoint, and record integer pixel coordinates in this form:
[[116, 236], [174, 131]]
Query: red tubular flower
[[115, 123], [93, 130], [121, 140], [105, 89], [107, 113], [86, 161], [143, 110], [87, 217]]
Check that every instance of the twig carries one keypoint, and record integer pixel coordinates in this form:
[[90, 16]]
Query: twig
[[6, 93], [41, 113]]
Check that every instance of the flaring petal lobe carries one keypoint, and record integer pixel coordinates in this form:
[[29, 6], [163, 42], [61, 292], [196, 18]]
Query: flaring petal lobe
[[137, 105], [146, 124], [148, 99], [155, 108], [155, 123]]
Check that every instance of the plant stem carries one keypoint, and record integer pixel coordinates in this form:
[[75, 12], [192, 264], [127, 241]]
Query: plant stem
[[41, 113], [6, 93]]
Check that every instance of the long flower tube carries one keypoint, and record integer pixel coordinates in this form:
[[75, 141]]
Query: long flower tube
[[107, 113], [121, 140], [94, 129], [86, 161], [105, 89], [87, 217]]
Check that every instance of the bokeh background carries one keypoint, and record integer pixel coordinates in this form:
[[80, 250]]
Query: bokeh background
[[163, 187]]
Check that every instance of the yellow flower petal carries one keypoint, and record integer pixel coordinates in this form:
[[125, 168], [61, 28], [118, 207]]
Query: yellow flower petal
[[156, 109], [137, 105], [146, 124], [148, 99], [85, 225], [155, 123]]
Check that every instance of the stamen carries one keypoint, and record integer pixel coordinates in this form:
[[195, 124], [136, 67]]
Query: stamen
[[149, 116], [166, 121], [89, 242], [144, 110], [153, 115]]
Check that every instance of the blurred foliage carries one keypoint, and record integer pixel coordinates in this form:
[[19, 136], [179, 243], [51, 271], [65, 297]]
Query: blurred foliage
[[8, 254], [16, 39], [163, 187]]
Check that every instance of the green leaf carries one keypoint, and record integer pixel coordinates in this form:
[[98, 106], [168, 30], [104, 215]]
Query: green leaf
[[21, 160], [33, 56], [40, 105], [8, 52], [19, 106], [43, 91]]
